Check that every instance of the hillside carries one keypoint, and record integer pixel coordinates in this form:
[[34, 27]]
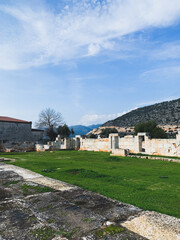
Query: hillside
[[165, 113]]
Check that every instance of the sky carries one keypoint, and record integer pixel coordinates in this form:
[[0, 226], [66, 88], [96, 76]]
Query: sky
[[90, 60]]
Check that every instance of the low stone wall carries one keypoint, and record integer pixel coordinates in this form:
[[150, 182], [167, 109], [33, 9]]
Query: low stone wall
[[129, 142], [155, 158], [166, 147], [17, 147], [41, 147], [91, 144], [142, 143]]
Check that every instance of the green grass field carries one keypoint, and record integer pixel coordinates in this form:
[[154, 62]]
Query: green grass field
[[148, 184]]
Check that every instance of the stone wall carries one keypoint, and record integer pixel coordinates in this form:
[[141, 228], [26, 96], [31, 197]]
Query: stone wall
[[91, 144], [17, 147], [37, 135], [19, 132], [166, 147], [14, 131], [142, 143], [63, 143]]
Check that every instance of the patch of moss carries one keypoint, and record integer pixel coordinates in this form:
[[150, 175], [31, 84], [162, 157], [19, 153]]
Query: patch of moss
[[89, 220], [45, 208], [33, 219], [10, 183], [64, 213], [49, 206], [28, 189], [51, 220], [113, 229], [43, 233], [110, 230], [99, 233], [64, 233]]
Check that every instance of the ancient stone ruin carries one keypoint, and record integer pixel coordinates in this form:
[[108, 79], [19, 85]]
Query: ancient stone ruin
[[122, 146]]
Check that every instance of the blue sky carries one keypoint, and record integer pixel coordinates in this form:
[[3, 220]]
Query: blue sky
[[91, 60]]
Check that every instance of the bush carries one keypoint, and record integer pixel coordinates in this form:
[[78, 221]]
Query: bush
[[92, 135], [150, 127], [106, 131]]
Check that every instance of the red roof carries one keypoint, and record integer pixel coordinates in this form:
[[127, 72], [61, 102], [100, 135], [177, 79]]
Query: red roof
[[8, 119]]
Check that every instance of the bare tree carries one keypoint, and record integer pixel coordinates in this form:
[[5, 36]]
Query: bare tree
[[49, 118]]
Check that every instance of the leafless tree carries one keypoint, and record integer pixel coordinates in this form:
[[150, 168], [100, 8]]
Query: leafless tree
[[49, 118]]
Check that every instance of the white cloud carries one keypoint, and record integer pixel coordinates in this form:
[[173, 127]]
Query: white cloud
[[40, 36], [165, 74], [89, 119], [93, 49], [167, 51]]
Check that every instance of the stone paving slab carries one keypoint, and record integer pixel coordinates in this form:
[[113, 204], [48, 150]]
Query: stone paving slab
[[37, 178], [37, 207], [155, 226]]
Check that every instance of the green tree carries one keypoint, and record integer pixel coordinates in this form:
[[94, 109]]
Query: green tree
[[106, 131], [64, 131], [150, 127], [92, 135], [72, 131], [50, 132]]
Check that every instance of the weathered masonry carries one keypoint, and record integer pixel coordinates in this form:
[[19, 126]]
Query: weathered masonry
[[141, 143], [16, 130]]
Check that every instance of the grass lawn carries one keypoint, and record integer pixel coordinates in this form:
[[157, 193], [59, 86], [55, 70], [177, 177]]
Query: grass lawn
[[148, 184]]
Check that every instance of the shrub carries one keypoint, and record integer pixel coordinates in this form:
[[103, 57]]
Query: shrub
[[150, 127], [106, 131]]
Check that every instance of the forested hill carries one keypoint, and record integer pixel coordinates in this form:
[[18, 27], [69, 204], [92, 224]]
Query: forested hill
[[165, 113]]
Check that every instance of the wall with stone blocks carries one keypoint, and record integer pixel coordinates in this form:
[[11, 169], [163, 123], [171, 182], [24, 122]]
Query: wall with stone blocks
[[10, 131], [129, 142], [135, 144], [91, 144], [37, 135], [42, 147], [166, 147], [17, 147], [141, 143]]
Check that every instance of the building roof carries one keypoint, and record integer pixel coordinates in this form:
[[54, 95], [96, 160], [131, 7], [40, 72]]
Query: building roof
[[9, 119]]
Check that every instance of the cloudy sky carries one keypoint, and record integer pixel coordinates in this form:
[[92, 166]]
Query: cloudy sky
[[91, 60]]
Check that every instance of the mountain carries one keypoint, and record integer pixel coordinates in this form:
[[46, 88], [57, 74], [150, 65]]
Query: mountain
[[165, 113], [82, 130]]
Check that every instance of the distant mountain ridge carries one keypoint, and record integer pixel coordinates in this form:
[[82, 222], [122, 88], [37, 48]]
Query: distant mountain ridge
[[82, 130], [164, 113]]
